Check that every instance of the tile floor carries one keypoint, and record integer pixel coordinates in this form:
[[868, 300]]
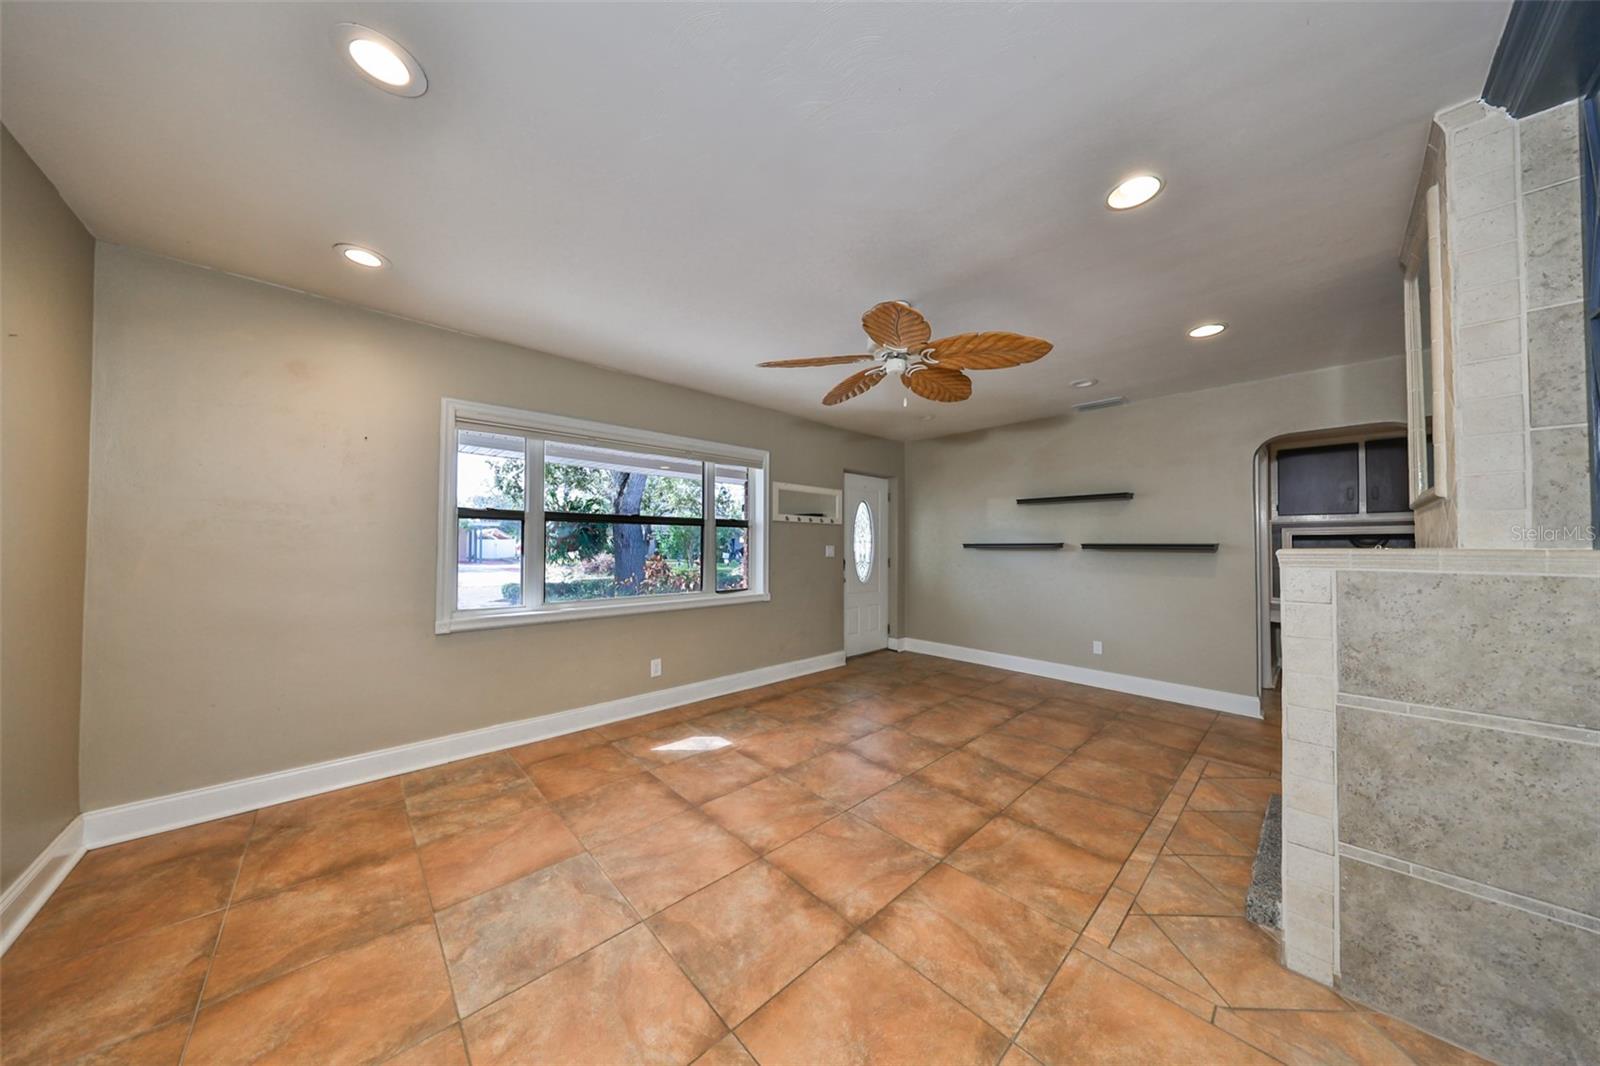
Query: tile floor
[[906, 859]]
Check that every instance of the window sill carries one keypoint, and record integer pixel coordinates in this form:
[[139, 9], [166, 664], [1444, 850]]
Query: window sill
[[610, 608]]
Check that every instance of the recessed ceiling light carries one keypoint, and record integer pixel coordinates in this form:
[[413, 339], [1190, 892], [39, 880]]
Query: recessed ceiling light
[[1209, 329], [1085, 383], [362, 257], [389, 66], [1139, 189]]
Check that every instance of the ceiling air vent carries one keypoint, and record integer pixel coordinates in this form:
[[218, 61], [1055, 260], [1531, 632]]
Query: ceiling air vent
[[1095, 405]]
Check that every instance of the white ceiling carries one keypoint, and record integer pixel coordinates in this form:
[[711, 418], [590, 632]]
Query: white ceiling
[[684, 190]]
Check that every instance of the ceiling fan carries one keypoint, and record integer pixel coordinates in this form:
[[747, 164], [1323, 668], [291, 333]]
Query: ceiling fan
[[930, 368]]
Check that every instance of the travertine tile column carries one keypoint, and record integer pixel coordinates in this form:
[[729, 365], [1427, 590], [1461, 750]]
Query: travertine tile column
[[1441, 715]]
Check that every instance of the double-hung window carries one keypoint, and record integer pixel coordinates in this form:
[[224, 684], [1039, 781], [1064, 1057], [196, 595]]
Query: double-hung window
[[544, 517]]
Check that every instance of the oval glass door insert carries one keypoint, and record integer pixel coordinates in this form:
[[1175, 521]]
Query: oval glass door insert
[[861, 542]]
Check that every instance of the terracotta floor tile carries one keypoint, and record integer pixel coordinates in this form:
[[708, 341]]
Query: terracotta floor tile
[[480, 859], [1143, 756], [745, 937], [270, 935], [359, 1005], [1239, 794], [1423, 1048], [632, 727], [794, 706], [1092, 1014], [888, 710], [841, 777], [580, 771], [133, 856], [1202, 1007], [769, 813], [435, 820], [611, 811], [1053, 877], [1228, 874], [1052, 731], [705, 777], [897, 750], [158, 1047], [1343, 1037], [625, 1001], [444, 1048], [92, 914], [923, 816], [957, 721], [919, 693], [1031, 758], [1135, 727], [958, 684], [670, 744], [1221, 768], [1018, 699], [1103, 828], [1175, 713], [862, 1005], [1111, 782], [734, 723], [1015, 1056], [659, 865], [853, 867], [508, 936], [984, 948], [465, 779], [1108, 917], [1215, 833], [1264, 755], [782, 748], [977, 780], [844, 726], [285, 855], [327, 806], [726, 1052], [1076, 710], [1241, 963], [1174, 887], [62, 1011], [1142, 940], [540, 750]]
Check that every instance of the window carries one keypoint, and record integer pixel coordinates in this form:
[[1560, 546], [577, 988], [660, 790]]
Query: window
[[861, 542], [547, 517]]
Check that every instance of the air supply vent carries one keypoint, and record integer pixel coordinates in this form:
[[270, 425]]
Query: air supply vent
[[1095, 405]]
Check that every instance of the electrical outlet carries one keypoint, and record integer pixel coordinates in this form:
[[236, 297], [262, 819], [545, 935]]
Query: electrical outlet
[[828, 551], [1098, 649], [655, 667]]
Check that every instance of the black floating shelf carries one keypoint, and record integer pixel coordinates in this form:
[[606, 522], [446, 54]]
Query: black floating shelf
[[1149, 547], [1082, 497], [1037, 546]]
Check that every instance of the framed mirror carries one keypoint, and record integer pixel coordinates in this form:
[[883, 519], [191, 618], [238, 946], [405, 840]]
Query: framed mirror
[[1427, 416]]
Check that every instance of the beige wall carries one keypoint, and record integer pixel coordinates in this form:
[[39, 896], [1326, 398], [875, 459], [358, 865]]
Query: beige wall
[[47, 278], [1189, 460], [263, 535]]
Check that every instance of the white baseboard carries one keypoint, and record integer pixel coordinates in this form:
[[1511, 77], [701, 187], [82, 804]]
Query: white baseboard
[[1209, 698], [28, 892], [897, 643], [110, 825]]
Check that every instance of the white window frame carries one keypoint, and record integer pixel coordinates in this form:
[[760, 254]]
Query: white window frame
[[537, 427]]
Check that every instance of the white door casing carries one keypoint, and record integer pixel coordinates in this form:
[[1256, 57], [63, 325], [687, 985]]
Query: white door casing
[[866, 579]]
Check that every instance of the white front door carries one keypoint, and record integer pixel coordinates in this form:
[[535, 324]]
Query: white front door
[[866, 580]]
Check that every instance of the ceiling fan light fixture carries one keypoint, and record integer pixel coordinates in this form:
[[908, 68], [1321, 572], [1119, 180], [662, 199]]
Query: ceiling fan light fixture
[[381, 59], [1134, 191], [1207, 329]]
